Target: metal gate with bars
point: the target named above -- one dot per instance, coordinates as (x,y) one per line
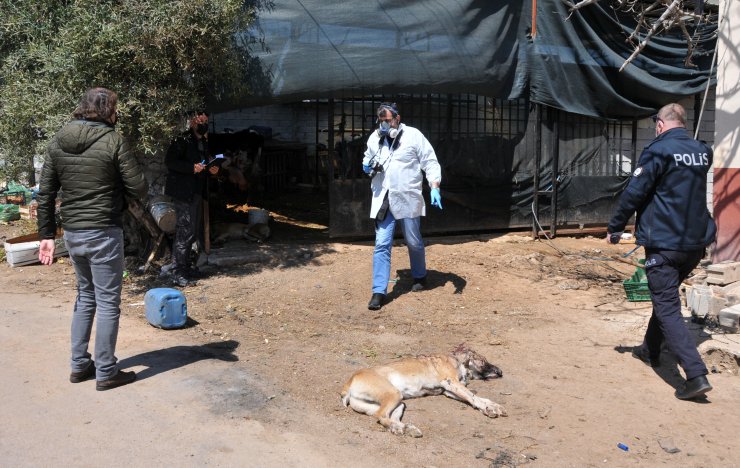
(503,161)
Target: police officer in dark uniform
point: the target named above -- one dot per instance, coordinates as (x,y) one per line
(668,190)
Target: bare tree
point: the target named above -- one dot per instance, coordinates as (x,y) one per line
(655,18)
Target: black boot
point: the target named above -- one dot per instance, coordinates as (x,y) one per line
(694,388)
(181,278)
(376,302)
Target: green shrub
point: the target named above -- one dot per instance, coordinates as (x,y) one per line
(162,58)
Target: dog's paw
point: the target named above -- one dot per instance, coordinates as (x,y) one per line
(412,431)
(493,410)
(397,428)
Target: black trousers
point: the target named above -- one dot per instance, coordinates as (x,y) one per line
(188,223)
(666,270)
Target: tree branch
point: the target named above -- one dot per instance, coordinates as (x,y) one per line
(675,14)
(656,26)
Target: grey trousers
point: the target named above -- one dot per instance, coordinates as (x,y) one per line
(97,256)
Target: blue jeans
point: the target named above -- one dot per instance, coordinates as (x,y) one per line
(383,244)
(97,256)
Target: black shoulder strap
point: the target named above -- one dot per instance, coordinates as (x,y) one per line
(397,140)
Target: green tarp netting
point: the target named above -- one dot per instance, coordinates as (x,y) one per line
(318,49)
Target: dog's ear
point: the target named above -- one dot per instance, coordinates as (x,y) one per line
(462,354)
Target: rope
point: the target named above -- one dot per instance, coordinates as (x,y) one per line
(584,256)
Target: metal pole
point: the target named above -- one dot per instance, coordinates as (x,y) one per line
(536,175)
(316,181)
(555,171)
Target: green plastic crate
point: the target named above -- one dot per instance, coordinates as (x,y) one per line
(636,287)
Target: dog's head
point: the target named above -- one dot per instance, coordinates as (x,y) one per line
(476,365)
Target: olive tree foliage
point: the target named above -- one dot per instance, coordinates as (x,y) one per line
(162,57)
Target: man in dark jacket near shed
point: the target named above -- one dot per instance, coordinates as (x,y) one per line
(91,163)
(668,190)
(186,162)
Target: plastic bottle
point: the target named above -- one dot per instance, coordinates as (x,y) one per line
(623,447)
(33,208)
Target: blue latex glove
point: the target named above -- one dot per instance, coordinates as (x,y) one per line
(366,168)
(436,198)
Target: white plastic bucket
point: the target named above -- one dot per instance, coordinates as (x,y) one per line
(258,216)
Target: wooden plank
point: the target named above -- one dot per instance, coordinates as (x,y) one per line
(143,216)
(152,254)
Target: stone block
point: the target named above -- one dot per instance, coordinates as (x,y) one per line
(731,292)
(715,305)
(704,300)
(699,278)
(693,292)
(729,318)
(723,273)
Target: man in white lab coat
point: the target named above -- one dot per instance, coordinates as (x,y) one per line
(397,158)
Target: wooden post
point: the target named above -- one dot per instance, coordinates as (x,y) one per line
(206,219)
(152,254)
(147,220)
(137,209)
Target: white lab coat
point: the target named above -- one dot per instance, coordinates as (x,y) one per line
(402,173)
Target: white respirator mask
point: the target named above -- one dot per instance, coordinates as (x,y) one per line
(385,129)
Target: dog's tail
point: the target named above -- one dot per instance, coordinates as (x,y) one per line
(345,393)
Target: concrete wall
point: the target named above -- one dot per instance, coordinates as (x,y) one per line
(727,134)
(646,127)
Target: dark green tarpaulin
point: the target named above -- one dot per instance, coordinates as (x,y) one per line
(319,49)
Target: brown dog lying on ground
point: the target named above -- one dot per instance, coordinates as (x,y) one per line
(379,391)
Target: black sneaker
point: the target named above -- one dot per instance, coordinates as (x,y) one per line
(81,376)
(419,284)
(694,388)
(121,378)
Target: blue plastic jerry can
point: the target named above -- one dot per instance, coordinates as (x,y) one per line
(166,308)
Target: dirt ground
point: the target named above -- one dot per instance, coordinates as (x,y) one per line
(552,315)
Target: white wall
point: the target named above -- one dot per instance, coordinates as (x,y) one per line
(727,136)
(728,86)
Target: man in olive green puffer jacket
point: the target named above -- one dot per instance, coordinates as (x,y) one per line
(92,165)
(97,170)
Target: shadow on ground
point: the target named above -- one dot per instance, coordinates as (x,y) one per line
(164,360)
(669,369)
(435,279)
